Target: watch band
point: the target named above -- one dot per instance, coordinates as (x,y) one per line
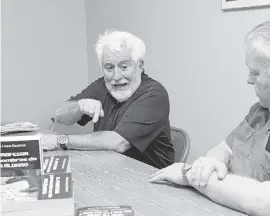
(185,169)
(63,146)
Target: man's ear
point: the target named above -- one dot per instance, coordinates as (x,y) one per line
(141,63)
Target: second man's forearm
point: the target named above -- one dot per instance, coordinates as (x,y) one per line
(68,113)
(237,192)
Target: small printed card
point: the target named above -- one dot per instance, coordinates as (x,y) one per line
(56,186)
(56,164)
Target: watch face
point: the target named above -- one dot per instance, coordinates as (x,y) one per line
(62,139)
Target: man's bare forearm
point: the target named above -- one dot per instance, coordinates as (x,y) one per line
(239,193)
(102,140)
(68,113)
(220,152)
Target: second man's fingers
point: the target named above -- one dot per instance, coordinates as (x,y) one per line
(156,173)
(159,177)
(206,173)
(222,171)
(160,171)
(198,174)
(195,165)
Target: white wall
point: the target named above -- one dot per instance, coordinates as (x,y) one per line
(195,50)
(44,57)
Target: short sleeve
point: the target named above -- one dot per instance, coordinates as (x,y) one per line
(245,129)
(145,119)
(91,92)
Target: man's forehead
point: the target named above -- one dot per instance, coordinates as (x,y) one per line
(116,55)
(259,48)
(257,58)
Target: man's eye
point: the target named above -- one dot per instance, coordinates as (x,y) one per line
(124,67)
(256,73)
(109,68)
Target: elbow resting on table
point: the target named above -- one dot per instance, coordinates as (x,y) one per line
(122,147)
(115,141)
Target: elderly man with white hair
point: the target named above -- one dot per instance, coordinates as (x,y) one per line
(130,110)
(245,153)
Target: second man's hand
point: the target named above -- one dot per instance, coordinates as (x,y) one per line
(202,169)
(172,173)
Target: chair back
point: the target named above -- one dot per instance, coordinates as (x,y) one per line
(181,144)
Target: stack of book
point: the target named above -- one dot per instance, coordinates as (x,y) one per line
(32,184)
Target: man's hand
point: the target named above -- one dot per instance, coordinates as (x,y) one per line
(172,173)
(49,142)
(91,107)
(203,168)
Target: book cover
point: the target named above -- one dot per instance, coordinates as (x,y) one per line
(19,154)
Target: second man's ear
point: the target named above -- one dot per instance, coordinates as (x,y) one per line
(141,64)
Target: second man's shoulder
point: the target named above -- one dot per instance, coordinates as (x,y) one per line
(255,109)
(257,116)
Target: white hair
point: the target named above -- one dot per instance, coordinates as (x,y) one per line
(261,31)
(259,36)
(116,40)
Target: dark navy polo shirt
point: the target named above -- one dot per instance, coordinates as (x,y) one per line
(143,120)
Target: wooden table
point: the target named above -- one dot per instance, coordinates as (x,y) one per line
(109,178)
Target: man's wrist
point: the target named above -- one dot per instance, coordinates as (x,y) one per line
(185,170)
(189,178)
(63,141)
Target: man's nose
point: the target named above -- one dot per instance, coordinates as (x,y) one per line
(117,74)
(250,79)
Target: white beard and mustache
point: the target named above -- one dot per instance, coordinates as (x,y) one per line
(123,94)
(120,95)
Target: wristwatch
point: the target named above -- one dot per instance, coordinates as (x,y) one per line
(62,141)
(184,170)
